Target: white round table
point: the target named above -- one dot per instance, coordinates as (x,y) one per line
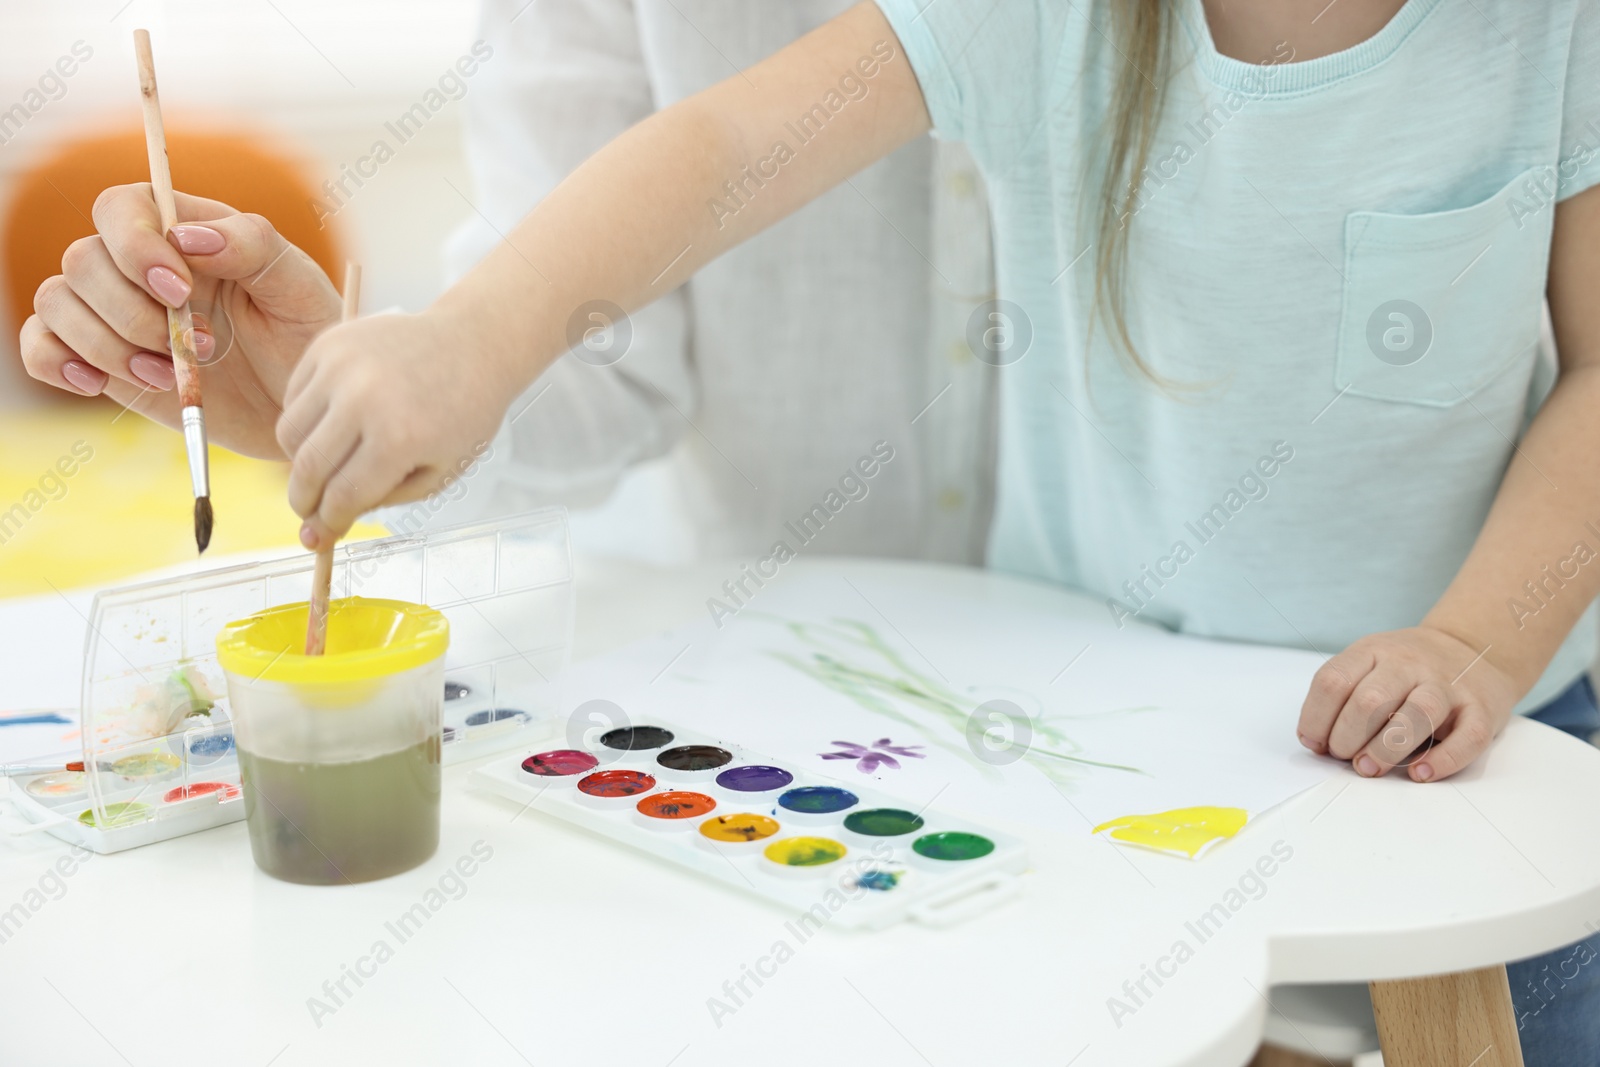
(547,947)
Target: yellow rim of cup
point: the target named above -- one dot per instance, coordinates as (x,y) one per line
(368,638)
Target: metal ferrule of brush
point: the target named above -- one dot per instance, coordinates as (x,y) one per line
(194,442)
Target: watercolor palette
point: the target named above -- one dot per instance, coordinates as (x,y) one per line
(841,854)
(157,730)
(178,784)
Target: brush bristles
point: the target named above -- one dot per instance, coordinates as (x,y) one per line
(202,521)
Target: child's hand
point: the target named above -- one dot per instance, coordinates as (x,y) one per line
(1382,698)
(101,325)
(381,411)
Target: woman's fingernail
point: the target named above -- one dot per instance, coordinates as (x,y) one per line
(1422,772)
(83,377)
(198,240)
(172,289)
(153,371)
(308,536)
(203,345)
(1366,767)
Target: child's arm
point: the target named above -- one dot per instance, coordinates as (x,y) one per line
(1462,671)
(383,409)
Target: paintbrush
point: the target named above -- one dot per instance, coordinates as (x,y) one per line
(180,321)
(322,573)
(25,770)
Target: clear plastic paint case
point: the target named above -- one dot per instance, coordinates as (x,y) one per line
(159,752)
(865,858)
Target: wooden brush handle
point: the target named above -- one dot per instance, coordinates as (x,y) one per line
(180,321)
(322,574)
(317,613)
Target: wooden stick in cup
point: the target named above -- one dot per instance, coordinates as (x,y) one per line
(322,575)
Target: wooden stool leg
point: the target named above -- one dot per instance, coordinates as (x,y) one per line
(1448,1020)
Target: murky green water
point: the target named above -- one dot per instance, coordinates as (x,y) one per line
(331,823)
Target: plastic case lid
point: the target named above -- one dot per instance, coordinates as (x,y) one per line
(152,683)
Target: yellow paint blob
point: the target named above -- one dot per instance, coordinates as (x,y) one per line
(1182,831)
(744,826)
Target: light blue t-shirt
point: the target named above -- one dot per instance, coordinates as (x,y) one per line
(1342,261)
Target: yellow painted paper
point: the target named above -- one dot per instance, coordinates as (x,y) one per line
(1182,831)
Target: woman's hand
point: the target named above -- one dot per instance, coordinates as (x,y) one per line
(383,410)
(101,325)
(1380,701)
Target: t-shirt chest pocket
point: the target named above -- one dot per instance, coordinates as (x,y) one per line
(1437,305)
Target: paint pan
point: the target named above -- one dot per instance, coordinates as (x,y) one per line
(611,789)
(58,785)
(951,846)
(124,813)
(816,805)
(692,763)
(636,738)
(559,764)
(147,766)
(196,790)
(754,782)
(865,827)
(741,832)
(673,810)
(211,746)
(879,880)
(802,857)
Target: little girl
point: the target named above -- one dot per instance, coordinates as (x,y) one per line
(1271,278)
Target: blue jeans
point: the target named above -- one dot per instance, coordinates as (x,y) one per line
(1557,995)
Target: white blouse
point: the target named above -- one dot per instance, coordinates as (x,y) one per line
(766,379)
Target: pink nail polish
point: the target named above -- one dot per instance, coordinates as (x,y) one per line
(153,371)
(83,377)
(308,536)
(172,289)
(198,240)
(204,343)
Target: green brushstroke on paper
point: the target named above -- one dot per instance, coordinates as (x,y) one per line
(883,682)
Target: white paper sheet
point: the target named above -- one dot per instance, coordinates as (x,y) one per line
(887,663)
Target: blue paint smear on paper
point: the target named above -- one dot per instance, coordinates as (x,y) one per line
(43,719)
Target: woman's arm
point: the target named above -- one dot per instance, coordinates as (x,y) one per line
(381,410)
(1460,673)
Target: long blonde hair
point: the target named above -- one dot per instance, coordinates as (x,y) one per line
(1140,33)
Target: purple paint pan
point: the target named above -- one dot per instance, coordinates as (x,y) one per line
(754,778)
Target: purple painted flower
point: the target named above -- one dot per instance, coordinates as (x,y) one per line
(881,753)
